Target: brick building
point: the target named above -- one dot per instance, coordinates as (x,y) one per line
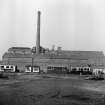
(50,60)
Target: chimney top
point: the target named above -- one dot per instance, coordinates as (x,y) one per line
(39,12)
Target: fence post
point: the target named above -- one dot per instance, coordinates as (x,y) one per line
(104,98)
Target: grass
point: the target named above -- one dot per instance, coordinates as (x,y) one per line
(39,90)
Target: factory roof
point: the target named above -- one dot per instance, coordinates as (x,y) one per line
(82,54)
(18,48)
(61,55)
(16,55)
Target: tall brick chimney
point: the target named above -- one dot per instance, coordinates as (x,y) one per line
(38,34)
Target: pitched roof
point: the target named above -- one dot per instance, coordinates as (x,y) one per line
(18,48)
(16,55)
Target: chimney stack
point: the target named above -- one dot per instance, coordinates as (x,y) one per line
(38,34)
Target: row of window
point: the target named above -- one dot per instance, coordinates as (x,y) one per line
(32,69)
(80,69)
(72,68)
(56,68)
(6,67)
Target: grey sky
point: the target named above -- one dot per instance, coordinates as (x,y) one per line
(71,24)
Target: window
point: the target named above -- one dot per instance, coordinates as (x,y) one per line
(73,69)
(2,67)
(85,69)
(11,67)
(7,66)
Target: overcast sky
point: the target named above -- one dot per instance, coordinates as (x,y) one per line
(71,24)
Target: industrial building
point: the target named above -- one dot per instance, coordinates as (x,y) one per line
(39,59)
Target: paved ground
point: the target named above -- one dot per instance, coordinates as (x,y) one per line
(51,90)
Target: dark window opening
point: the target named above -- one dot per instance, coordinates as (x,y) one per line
(7,66)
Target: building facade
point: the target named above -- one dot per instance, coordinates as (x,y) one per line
(47,62)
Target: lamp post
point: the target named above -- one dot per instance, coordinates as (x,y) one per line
(32,63)
(8,61)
